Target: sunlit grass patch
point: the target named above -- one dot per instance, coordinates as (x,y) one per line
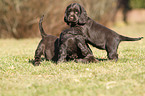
(18,76)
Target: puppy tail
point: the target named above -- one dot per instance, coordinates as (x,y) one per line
(124,38)
(43,34)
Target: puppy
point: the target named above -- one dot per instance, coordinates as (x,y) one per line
(97,35)
(73,46)
(48,46)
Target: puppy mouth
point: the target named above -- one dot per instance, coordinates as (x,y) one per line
(72,19)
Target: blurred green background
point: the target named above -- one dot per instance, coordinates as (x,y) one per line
(137,3)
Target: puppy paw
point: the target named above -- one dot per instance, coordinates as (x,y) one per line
(36,63)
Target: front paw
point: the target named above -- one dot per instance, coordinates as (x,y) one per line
(36,63)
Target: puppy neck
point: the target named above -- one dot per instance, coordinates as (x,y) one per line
(75,24)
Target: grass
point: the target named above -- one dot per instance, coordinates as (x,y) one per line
(18,77)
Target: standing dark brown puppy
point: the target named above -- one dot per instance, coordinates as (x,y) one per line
(48,46)
(98,35)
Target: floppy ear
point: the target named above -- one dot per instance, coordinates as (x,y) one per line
(83,16)
(65,17)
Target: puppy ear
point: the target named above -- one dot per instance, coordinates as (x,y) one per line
(83,16)
(65,17)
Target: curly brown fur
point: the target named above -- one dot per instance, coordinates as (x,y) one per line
(73,46)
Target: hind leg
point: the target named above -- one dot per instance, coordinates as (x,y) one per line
(112,51)
(49,54)
(38,53)
(62,53)
(112,55)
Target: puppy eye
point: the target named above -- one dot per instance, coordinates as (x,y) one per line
(69,10)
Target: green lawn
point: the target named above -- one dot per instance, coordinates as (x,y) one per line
(18,77)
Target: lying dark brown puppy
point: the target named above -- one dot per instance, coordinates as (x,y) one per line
(73,46)
(48,46)
(98,35)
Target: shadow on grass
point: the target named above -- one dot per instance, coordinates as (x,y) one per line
(101,59)
(32,61)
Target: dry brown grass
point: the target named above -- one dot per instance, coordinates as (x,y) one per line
(19,18)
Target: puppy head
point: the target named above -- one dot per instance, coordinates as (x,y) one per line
(75,14)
